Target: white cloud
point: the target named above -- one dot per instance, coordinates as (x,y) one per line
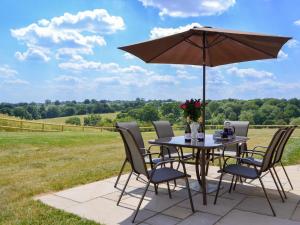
(182,74)
(292,43)
(117,75)
(297,22)
(189,8)
(7,72)
(250,73)
(81,32)
(34,53)
(128,56)
(9,76)
(158,32)
(282,55)
(16,81)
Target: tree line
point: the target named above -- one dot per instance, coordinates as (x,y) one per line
(266,111)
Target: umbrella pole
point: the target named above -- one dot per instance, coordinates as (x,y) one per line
(204,78)
(203,95)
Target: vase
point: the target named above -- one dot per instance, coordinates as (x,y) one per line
(194,129)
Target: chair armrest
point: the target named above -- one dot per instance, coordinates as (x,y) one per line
(151,153)
(230,157)
(255,152)
(149,148)
(165,162)
(259,146)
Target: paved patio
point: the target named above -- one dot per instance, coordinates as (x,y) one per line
(246,205)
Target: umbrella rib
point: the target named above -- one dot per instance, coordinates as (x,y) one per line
(214,40)
(148,61)
(193,43)
(250,46)
(217,42)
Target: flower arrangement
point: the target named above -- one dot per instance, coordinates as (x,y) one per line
(192,109)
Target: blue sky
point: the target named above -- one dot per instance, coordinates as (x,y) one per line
(67,49)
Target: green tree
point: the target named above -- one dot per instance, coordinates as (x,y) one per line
(33,110)
(247,116)
(68,111)
(52,111)
(22,113)
(295,121)
(73,120)
(291,111)
(92,120)
(149,113)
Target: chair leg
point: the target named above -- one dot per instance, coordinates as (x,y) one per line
(230,188)
(120,173)
(141,200)
(189,192)
(169,191)
(220,162)
(219,186)
(267,197)
(236,179)
(207,166)
(280,184)
(276,185)
(288,178)
(124,187)
(155,188)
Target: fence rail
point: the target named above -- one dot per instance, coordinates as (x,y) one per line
(8,124)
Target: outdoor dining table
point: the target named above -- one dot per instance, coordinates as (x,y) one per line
(202,150)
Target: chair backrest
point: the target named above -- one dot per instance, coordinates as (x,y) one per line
(272,148)
(135,130)
(137,161)
(282,144)
(241,129)
(164,129)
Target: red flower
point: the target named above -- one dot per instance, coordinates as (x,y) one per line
(183,106)
(197,104)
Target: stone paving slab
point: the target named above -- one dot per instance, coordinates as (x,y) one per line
(246,205)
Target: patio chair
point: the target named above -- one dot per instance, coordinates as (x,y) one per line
(164,129)
(241,129)
(239,169)
(156,175)
(133,127)
(277,157)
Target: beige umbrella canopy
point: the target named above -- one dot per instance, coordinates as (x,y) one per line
(208,46)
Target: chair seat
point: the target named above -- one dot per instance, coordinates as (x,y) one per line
(165,174)
(254,161)
(154,160)
(239,170)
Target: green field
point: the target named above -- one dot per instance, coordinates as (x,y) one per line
(36,163)
(61,120)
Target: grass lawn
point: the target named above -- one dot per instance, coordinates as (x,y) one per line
(35,163)
(61,120)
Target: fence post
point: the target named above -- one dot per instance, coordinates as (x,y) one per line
(43,127)
(82,128)
(62,127)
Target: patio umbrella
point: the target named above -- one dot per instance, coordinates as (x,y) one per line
(208,46)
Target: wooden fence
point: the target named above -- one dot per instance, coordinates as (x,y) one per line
(8,124)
